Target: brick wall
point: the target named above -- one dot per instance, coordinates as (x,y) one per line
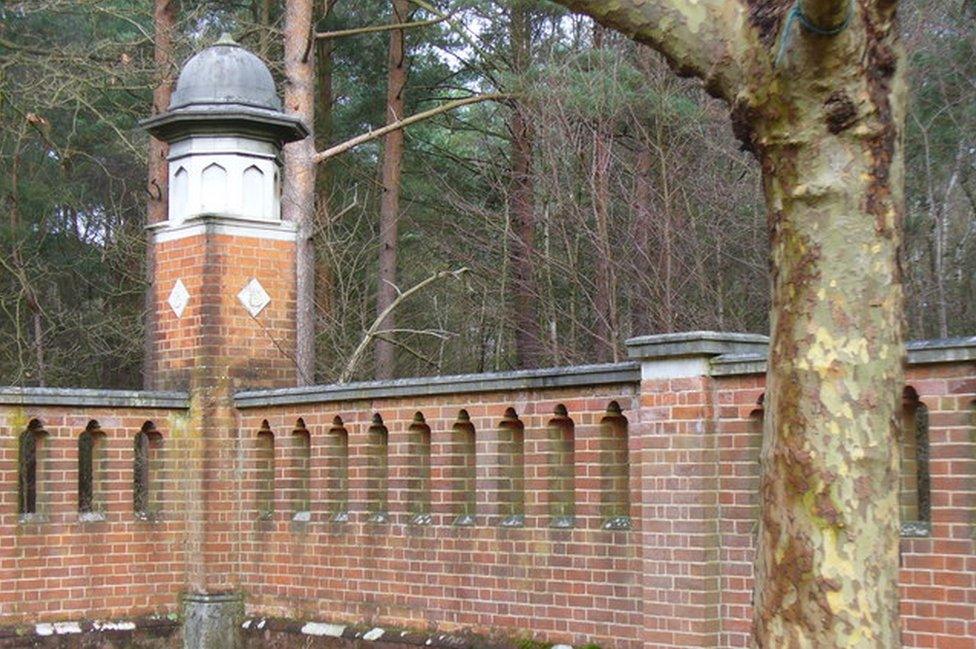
(58,564)
(938,575)
(524,576)
(215,330)
(620,512)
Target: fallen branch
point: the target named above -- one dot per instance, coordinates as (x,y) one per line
(374,330)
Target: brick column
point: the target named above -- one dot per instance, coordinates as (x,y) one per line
(679,484)
(224,295)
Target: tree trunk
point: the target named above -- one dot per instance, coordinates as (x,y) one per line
(827,568)
(666,252)
(298,195)
(384,356)
(323,179)
(825,120)
(640,302)
(157,209)
(263,18)
(604,302)
(606,330)
(529,345)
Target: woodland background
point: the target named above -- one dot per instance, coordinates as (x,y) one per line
(602,198)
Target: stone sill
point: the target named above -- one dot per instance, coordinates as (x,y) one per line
(33,518)
(46,634)
(916,530)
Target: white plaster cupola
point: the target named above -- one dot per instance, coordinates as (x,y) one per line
(225,128)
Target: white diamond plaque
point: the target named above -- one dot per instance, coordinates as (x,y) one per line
(179,297)
(254,297)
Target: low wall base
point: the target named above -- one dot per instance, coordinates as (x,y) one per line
(282,633)
(143,633)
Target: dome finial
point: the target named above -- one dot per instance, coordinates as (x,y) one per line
(226,39)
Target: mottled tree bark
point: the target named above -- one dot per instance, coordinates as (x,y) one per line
(157,209)
(298,196)
(384,359)
(825,122)
(832,172)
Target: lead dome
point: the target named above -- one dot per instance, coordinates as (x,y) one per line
(225,73)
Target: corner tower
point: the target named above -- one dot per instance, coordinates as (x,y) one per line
(223,289)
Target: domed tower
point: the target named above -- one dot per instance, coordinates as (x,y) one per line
(224,300)
(224,288)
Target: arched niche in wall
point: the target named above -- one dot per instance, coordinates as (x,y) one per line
(511,469)
(418,470)
(213,189)
(301,472)
(30,470)
(92,472)
(179,194)
(465,465)
(614,469)
(377,471)
(337,471)
(147,472)
(264,472)
(561,467)
(914,492)
(253,193)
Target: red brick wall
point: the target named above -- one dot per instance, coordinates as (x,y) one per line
(64,569)
(938,572)
(581,584)
(680,577)
(680,497)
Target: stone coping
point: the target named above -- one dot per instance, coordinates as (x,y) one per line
(918,352)
(695,343)
(14,396)
(732,354)
(546,378)
(942,350)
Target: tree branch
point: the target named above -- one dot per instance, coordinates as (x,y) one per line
(709,39)
(413,352)
(827,14)
(355,31)
(403,123)
(374,330)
